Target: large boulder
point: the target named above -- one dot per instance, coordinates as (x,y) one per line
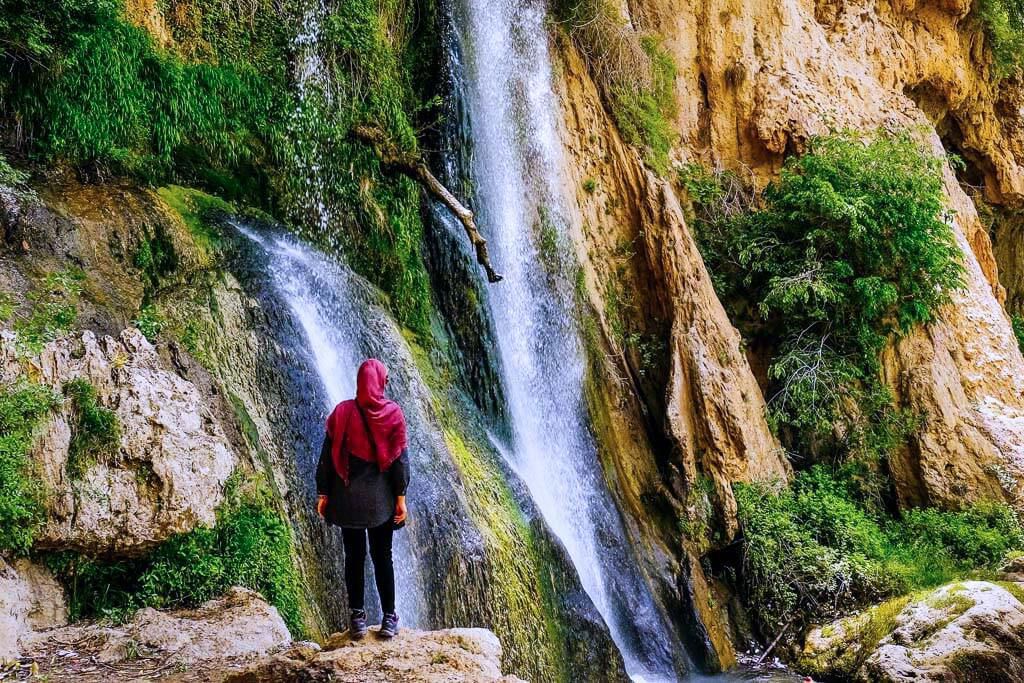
(168,473)
(961,631)
(239,626)
(458,654)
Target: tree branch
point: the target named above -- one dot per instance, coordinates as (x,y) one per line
(411,165)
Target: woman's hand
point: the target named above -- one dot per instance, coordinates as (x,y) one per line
(400,511)
(321,505)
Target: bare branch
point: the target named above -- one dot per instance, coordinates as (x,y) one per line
(411,165)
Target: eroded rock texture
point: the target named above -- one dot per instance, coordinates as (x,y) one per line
(169,469)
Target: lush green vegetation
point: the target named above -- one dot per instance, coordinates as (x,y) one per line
(1018,330)
(846,250)
(250,546)
(95,431)
(216,110)
(813,550)
(22,407)
(1003,21)
(636,73)
(54,309)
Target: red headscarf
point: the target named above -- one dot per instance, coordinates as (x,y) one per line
(384,418)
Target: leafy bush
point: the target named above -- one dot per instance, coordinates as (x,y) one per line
(250,546)
(848,249)
(813,550)
(149,322)
(1018,330)
(1003,21)
(22,407)
(95,430)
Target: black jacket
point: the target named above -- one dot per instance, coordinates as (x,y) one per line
(369,499)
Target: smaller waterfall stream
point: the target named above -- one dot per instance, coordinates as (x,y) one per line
(317,292)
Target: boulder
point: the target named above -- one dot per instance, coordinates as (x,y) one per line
(30,598)
(972,630)
(168,473)
(239,625)
(458,654)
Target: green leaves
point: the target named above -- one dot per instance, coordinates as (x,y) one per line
(846,250)
(1003,21)
(22,408)
(815,549)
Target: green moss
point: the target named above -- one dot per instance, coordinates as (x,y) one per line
(198,210)
(860,636)
(22,408)
(590,186)
(95,430)
(250,546)
(54,300)
(1014,588)
(645,114)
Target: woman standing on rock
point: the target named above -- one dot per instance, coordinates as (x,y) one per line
(361,482)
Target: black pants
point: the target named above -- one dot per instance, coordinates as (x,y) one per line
(355,563)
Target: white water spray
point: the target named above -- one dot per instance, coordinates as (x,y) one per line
(517,171)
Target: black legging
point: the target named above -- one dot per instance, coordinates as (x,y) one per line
(355,562)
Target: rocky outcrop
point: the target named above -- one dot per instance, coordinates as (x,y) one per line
(961,631)
(30,598)
(168,473)
(208,641)
(458,654)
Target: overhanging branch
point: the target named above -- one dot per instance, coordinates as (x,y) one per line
(411,165)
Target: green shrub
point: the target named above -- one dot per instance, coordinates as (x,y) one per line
(22,408)
(95,430)
(814,550)
(1018,330)
(1003,21)
(848,249)
(250,546)
(150,322)
(54,311)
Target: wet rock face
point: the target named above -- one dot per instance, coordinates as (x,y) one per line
(962,631)
(458,654)
(168,473)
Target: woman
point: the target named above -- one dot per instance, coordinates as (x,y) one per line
(361,482)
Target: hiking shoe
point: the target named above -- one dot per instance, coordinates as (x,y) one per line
(389,625)
(357,627)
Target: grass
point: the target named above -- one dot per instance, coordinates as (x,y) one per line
(250,546)
(95,430)
(22,409)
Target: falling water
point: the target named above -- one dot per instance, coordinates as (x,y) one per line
(517,172)
(318,293)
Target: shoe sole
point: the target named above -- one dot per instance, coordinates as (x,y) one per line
(387,634)
(358,635)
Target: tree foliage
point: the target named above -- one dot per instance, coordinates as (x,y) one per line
(847,249)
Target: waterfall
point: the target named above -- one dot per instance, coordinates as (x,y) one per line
(318,293)
(516,170)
